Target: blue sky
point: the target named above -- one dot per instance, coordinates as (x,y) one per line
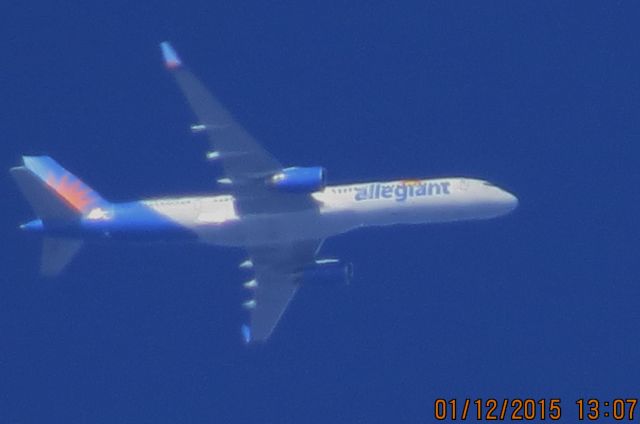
(538,97)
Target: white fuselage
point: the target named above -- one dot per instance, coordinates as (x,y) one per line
(341,208)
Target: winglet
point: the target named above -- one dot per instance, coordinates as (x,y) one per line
(171,59)
(246,333)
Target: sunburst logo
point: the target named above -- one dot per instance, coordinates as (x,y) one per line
(72,190)
(411,182)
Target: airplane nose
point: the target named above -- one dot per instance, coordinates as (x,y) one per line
(509,201)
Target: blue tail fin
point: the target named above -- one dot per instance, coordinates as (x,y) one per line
(57,197)
(51,189)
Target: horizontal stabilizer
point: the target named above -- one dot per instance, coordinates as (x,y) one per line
(56,254)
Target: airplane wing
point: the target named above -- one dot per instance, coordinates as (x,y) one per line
(246,165)
(243,159)
(275,269)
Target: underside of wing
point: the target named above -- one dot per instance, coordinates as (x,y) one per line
(276,270)
(273,293)
(246,164)
(241,156)
(258,184)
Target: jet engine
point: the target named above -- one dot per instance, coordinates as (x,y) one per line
(299,180)
(327,272)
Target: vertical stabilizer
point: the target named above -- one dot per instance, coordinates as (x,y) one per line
(56,254)
(60,199)
(67,186)
(46,203)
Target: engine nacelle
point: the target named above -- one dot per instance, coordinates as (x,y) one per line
(327,272)
(299,180)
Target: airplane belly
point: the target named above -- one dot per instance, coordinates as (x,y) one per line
(414,211)
(264,229)
(428,211)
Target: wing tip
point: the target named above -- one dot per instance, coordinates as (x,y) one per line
(171,59)
(246,333)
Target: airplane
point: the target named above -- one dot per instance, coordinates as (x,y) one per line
(279,215)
